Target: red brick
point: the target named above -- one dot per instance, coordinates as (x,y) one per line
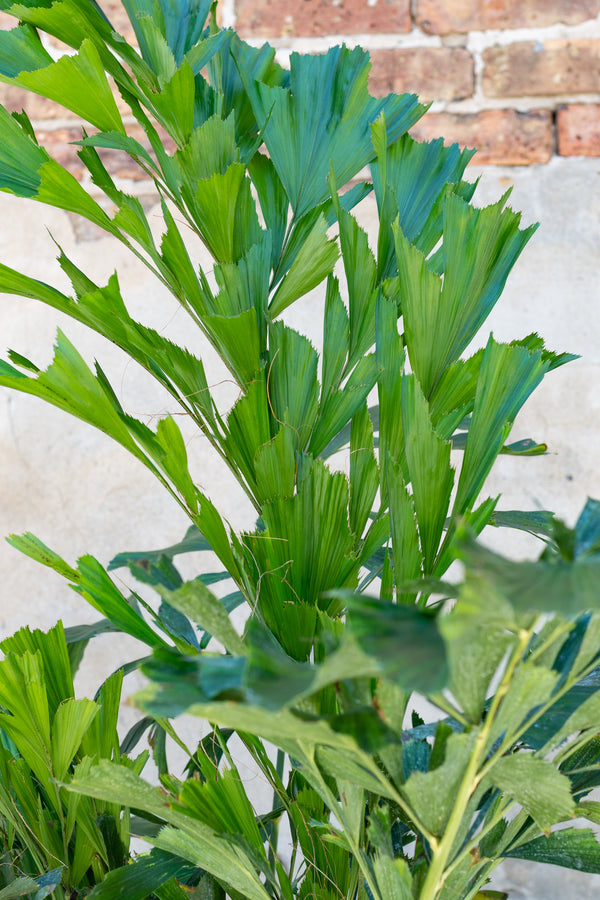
(311,18)
(578,129)
(530,68)
(434,73)
(448,16)
(15,99)
(58,144)
(502,136)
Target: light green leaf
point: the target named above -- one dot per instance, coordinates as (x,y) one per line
(237,340)
(96,586)
(364,471)
(314,262)
(393,878)
(249,425)
(175,102)
(507,377)
(52,647)
(115,140)
(480,246)
(292,383)
(408,559)
(361,277)
(554,585)
(431,474)
(225,213)
(335,338)
(432,794)
(154,46)
(72,719)
(276,464)
(530,686)
(390,362)
(189,838)
(79,83)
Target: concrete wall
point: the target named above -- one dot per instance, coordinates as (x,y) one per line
(80,493)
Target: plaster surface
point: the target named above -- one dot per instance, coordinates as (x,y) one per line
(80,493)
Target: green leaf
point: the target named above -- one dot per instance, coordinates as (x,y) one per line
(20,159)
(52,647)
(175,103)
(237,339)
(531,686)
(587,528)
(335,338)
(194,600)
(431,475)
(141,877)
(273,200)
(323,118)
(479,248)
(341,405)
(35,549)
(411,181)
(364,471)
(79,83)
(553,585)
(293,389)
(314,262)
(537,786)
(361,276)
(432,794)
(573,848)
(538,522)
(180,21)
(193,542)
(72,720)
(154,47)
(476,642)
(96,586)
(225,214)
(507,377)
(408,559)
(393,878)
(276,464)
(188,838)
(404,641)
(115,140)
(249,427)
(390,361)
(21,50)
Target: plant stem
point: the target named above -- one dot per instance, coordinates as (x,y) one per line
(437,872)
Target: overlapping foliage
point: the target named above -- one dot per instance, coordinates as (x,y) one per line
(348,615)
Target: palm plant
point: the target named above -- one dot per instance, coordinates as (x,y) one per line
(342,579)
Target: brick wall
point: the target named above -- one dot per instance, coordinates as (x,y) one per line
(518,79)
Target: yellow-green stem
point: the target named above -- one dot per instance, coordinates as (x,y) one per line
(436,874)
